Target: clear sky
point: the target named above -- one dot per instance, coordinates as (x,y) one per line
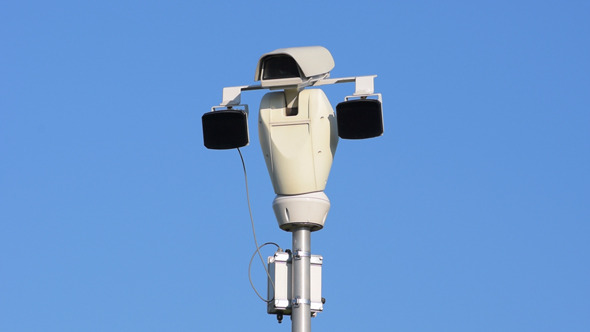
(471,213)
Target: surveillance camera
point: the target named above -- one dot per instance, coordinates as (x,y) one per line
(298,150)
(293,66)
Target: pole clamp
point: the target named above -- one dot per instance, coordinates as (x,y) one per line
(298,254)
(297,301)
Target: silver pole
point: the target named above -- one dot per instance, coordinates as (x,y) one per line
(301,306)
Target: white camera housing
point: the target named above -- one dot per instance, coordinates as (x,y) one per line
(298,148)
(293,66)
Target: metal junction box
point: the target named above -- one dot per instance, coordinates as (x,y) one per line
(279,268)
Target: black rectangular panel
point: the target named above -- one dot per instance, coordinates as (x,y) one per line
(359,119)
(225,129)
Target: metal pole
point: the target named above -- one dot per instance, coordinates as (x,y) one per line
(301,306)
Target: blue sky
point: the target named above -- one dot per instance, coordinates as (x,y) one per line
(471,213)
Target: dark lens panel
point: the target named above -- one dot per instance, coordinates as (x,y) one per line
(280,66)
(225,129)
(359,119)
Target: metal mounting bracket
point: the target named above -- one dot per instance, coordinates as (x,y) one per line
(364,96)
(297,301)
(298,254)
(245,106)
(364,86)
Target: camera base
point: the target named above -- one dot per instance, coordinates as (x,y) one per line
(305,210)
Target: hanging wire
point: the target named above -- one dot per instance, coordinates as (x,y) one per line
(255,240)
(250,268)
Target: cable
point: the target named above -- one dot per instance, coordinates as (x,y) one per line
(254,233)
(250,268)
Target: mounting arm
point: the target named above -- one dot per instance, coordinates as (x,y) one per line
(364,86)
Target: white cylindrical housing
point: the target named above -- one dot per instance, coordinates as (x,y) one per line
(307,210)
